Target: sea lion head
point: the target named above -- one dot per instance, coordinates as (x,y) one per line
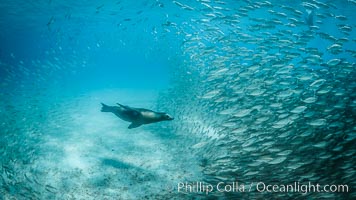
(165,116)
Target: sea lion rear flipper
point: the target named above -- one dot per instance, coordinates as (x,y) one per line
(120,104)
(133,125)
(126,107)
(105,108)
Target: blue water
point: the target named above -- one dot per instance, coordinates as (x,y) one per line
(60,59)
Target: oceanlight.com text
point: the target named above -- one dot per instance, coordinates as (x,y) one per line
(302,188)
(236,187)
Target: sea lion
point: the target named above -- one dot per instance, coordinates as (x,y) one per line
(137,116)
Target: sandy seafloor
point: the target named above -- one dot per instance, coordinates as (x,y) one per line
(88,154)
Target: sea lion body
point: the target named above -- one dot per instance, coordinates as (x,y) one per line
(137,116)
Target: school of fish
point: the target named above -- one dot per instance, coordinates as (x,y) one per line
(255,98)
(269,104)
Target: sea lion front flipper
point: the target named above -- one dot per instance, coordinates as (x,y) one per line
(134,125)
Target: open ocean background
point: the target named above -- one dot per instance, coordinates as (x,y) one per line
(258,94)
